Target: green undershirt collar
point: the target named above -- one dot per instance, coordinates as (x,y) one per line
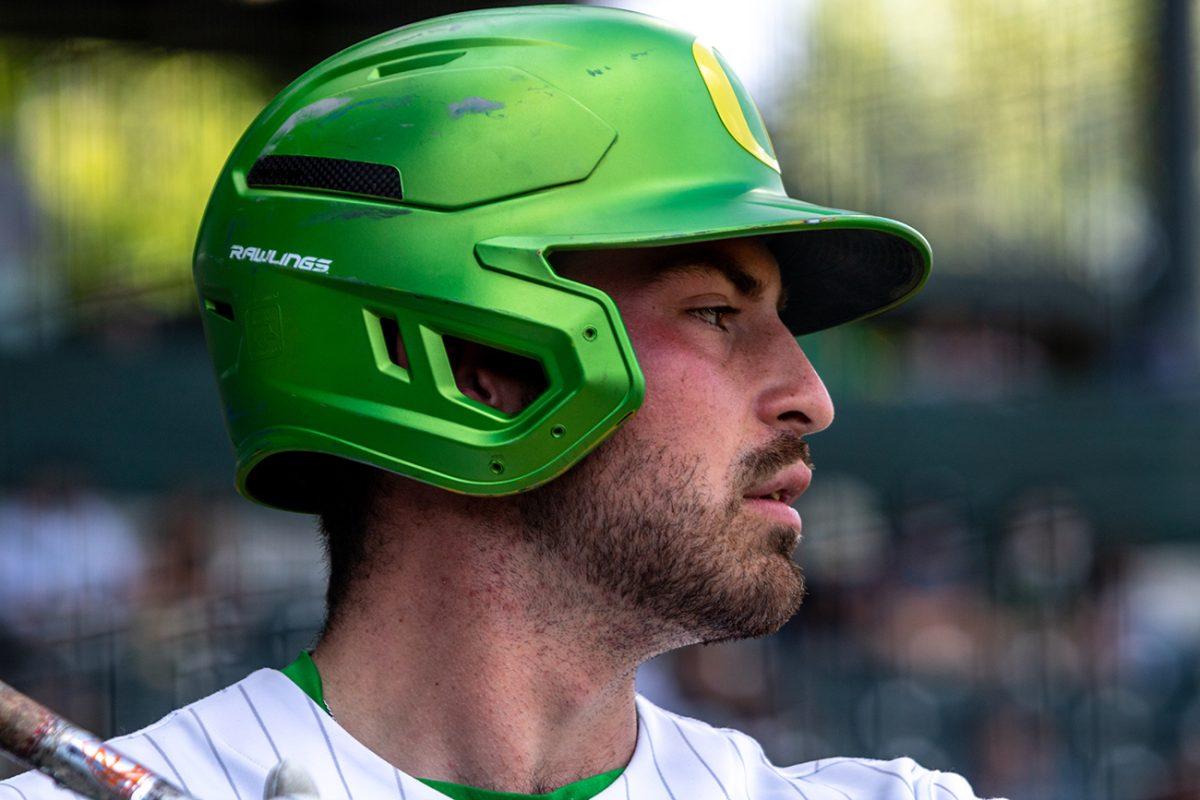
(303,672)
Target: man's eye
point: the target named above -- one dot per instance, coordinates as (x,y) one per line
(714,315)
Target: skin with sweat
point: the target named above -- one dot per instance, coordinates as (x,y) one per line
(493,641)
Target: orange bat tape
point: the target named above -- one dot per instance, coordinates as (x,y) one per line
(74,758)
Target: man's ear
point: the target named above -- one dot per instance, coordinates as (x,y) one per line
(505,381)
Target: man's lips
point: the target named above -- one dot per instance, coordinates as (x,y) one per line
(785,487)
(774,498)
(776,510)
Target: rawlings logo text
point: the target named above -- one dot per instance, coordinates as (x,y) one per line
(293,260)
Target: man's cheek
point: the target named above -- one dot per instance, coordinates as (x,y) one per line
(674,405)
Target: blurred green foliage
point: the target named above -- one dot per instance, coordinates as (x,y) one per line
(1011,134)
(119,147)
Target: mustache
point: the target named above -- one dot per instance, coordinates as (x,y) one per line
(785,450)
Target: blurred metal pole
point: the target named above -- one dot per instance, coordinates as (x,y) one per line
(1171,309)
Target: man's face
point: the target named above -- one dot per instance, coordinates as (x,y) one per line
(659,513)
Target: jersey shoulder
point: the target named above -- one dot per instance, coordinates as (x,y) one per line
(736,766)
(186,746)
(869,777)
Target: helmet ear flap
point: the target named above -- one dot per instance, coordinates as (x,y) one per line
(469,397)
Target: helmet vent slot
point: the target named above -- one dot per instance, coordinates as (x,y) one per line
(393,342)
(219,307)
(326,174)
(471,361)
(417,62)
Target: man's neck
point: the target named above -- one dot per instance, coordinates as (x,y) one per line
(467,661)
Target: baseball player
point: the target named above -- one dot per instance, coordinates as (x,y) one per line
(509,299)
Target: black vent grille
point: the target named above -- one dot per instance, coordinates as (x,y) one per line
(333,174)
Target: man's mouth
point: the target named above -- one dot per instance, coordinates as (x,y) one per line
(785,487)
(774,497)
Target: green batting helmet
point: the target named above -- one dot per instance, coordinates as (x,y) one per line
(409,189)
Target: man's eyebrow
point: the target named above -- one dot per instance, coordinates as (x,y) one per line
(746,284)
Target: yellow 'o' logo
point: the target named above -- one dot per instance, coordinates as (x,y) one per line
(729,108)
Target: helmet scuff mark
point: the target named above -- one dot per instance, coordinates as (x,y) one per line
(473,105)
(311,111)
(356,213)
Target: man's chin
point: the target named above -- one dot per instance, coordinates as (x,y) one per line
(766,599)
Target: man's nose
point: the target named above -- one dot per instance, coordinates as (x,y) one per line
(795,397)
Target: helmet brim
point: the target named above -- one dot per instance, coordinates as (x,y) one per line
(839,266)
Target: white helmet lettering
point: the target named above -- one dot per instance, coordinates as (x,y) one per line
(293,260)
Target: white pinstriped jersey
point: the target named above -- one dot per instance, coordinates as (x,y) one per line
(221,747)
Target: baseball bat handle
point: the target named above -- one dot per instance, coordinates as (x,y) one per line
(77,760)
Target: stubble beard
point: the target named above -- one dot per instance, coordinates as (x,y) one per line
(633,521)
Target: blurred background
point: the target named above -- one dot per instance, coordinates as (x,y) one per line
(1003,540)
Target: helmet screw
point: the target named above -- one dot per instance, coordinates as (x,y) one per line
(557,431)
(589,333)
(497,466)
